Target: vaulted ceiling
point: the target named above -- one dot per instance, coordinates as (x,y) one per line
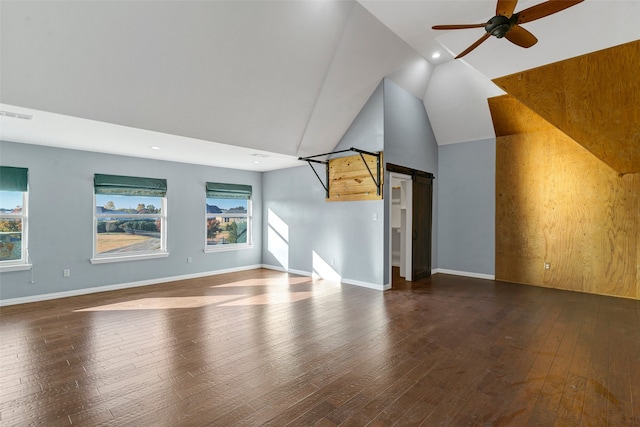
(232,83)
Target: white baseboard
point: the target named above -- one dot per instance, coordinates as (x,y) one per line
(364,284)
(342,280)
(464,273)
(284,270)
(118,286)
(276,268)
(85,291)
(386,286)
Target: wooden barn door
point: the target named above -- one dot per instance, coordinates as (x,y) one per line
(421,233)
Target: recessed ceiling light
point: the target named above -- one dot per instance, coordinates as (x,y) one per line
(154,147)
(256,162)
(436,55)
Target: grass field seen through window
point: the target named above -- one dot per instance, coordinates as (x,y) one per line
(119,241)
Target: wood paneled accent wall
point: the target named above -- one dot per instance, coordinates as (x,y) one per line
(557,203)
(593,98)
(349,179)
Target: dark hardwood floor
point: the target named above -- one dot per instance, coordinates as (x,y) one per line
(266,348)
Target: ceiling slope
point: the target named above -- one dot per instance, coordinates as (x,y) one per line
(456,102)
(461,115)
(367,52)
(586,27)
(593,98)
(240,73)
(282,77)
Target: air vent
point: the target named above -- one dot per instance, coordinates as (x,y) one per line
(16,115)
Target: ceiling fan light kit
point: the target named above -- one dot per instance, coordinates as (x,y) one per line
(506,23)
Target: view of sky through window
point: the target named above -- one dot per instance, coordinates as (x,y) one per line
(10,199)
(127,202)
(227,203)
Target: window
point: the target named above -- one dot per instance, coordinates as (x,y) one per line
(228,216)
(13,219)
(130,218)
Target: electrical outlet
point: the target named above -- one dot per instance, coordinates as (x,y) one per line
(189,260)
(333,261)
(547,266)
(66,273)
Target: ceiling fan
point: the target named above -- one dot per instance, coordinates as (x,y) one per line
(507,24)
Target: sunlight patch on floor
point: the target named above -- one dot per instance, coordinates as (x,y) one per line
(271,298)
(279,281)
(259,291)
(163,303)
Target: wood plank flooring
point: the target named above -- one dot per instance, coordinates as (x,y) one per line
(266,348)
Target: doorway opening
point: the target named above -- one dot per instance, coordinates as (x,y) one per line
(400,212)
(410,214)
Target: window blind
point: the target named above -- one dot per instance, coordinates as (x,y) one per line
(129,185)
(228,191)
(13,179)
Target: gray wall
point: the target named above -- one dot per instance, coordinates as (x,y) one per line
(466,207)
(393,121)
(409,141)
(343,231)
(61,215)
(298,222)
(352,234)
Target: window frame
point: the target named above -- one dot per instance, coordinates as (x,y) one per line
(130,256)
(24,262)
(248,216)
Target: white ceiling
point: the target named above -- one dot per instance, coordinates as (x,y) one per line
(231,83)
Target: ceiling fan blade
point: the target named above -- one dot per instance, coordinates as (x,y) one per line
(506,7)
(457,27)
(545,9)
(521,37)
(473,46)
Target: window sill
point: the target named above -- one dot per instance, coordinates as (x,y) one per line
(122,258)
(226,248)
(16,267)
